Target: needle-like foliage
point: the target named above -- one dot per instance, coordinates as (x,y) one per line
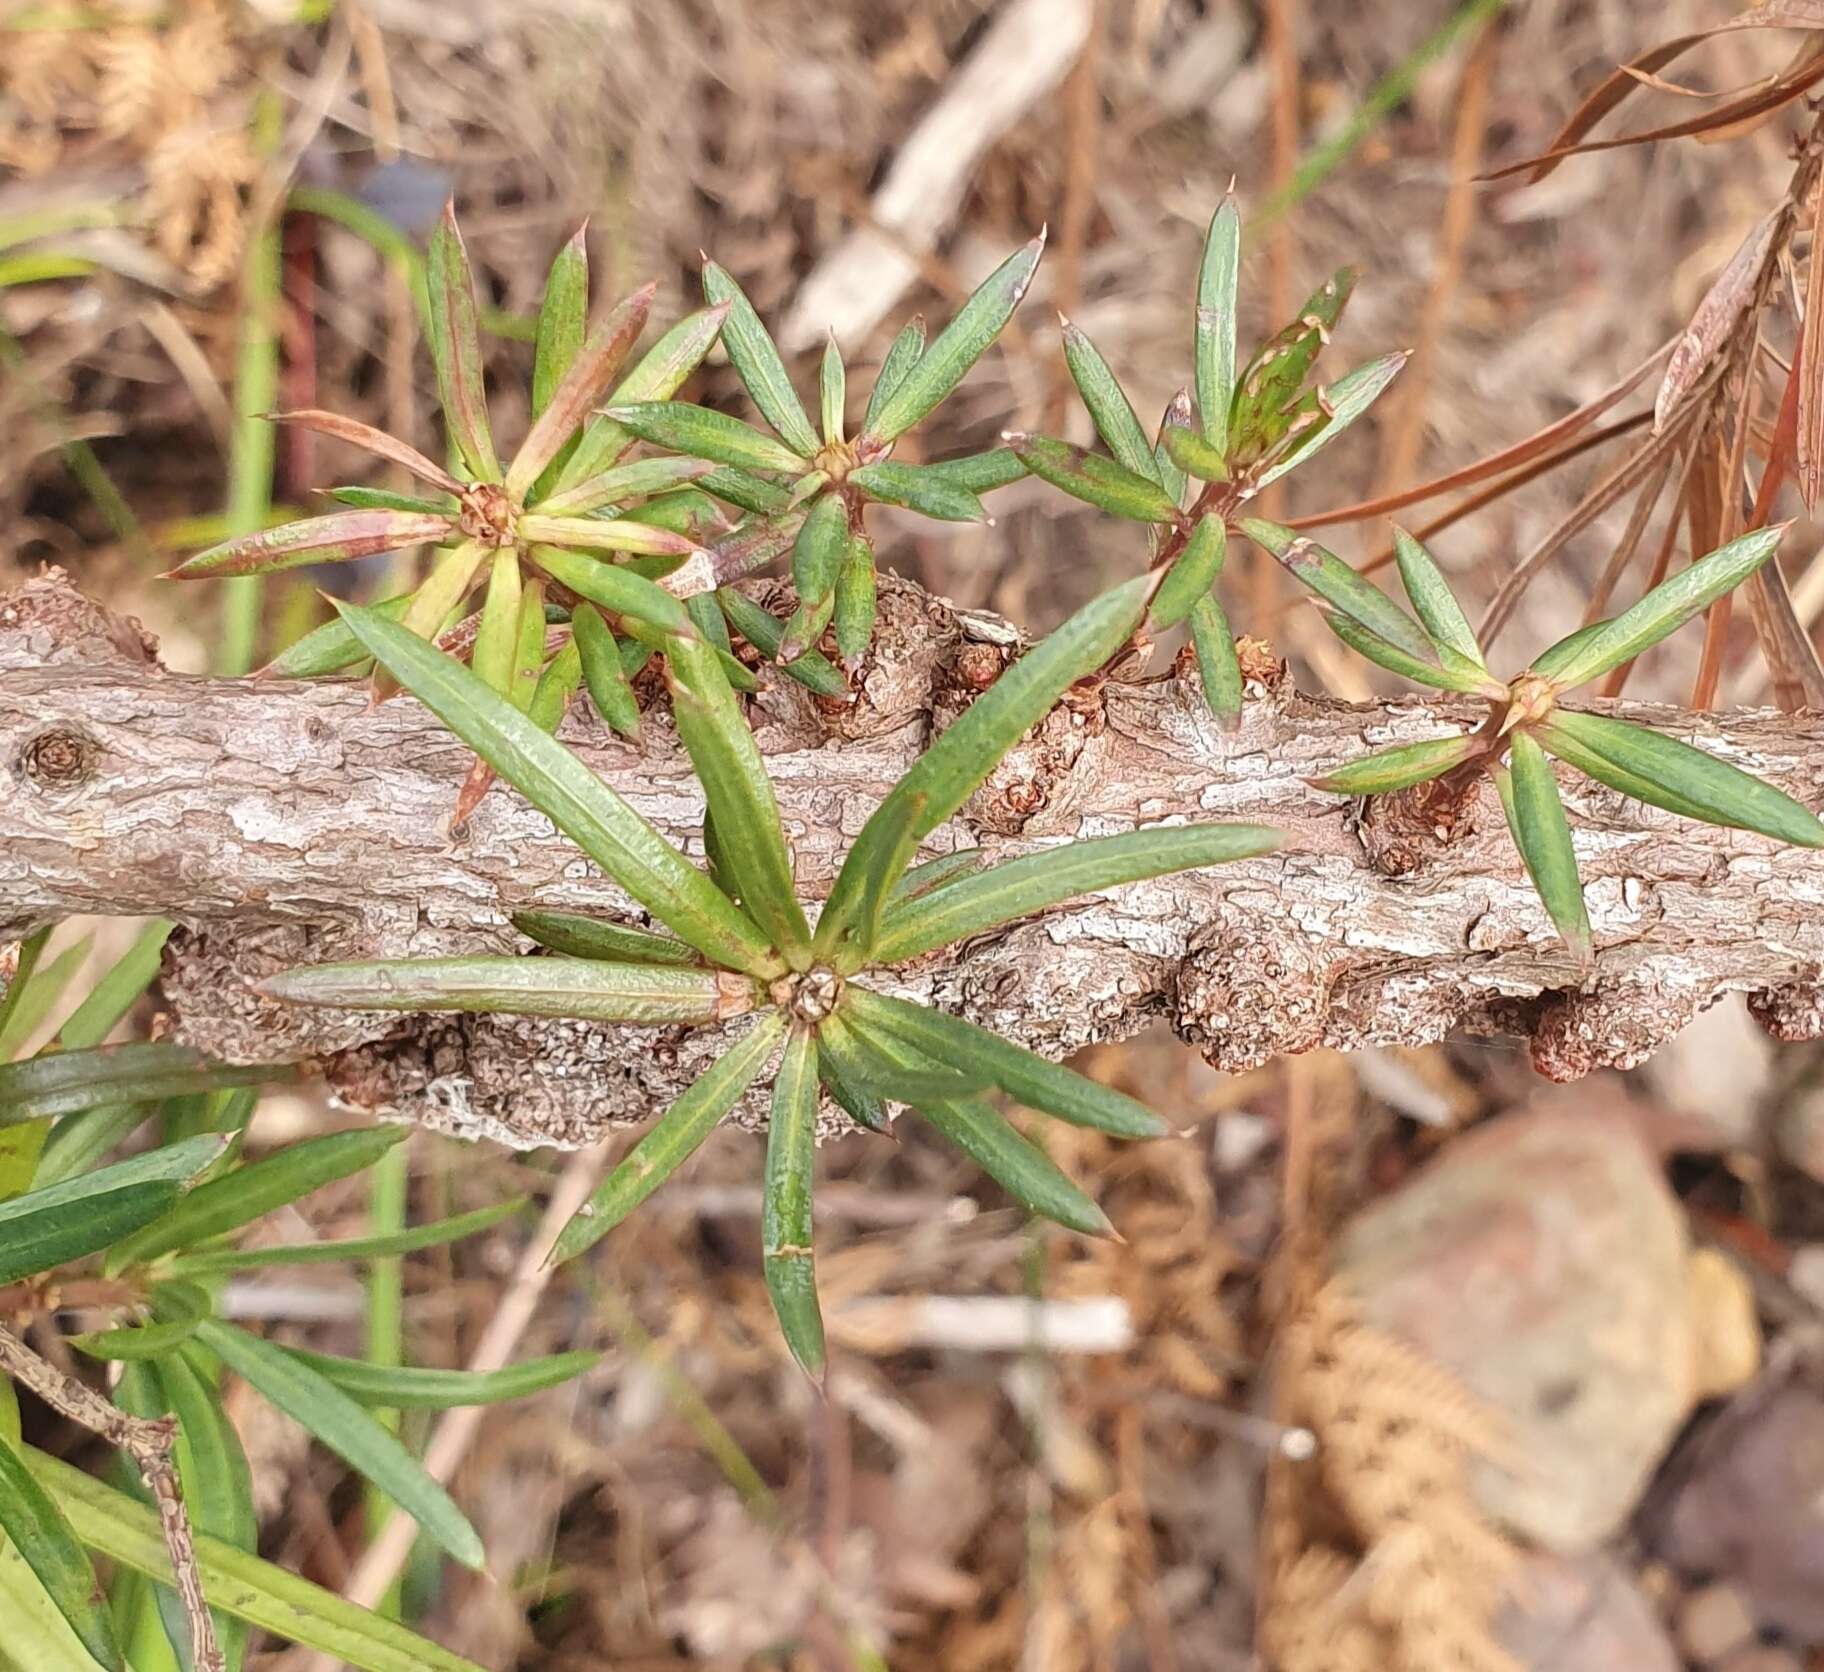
(816,1007)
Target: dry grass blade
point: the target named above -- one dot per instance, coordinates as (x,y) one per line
(1809,453)
(1494,464)
(1717,316)
(374,441)
(1729,522)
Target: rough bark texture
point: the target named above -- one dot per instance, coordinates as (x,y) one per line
(287,823)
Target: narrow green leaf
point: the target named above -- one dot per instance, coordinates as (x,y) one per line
(1193,455)
(673,1138)
(1674,775)
(738,791)
(604,349)
(818,551)
(919,488)
(235,1198)
(915,1087)
(573,798)
(109,1000)
(496,637)
(604,534)
(855,601)
(943,778)
(804,627)
(1432,598)
(127,1532)
(958,346)
(37,996)
(1107,403)
(1030,1079)
(1346,399)
(646,994)
(71,1210)
(439,593)
(757,361)
(658,376)
(455,333)
(411,1388)
(624,482)
(1093,479)
(848,930)
(528,647)
(134,1343)
(844,1077)
(64,1081)
(1387,770)
(38,1530)
(1449,672)
(45,1238)
(1017,1166)
(39,1638)
(556,685)
(563,317)
(832,389)
(338,537)
(1580,658)
(1337,584)
(384,499)
(311,1399)
(786,1255)
(1278,371)
(974,473)
(748,492)
(388,1245)
(705,434)
(957,906)
(580,936)
(766,633)
(25,966)
(603,673)
(1178,414)
(1192,574)
(1218,667)
(1535,814)
(1218,277)
(216,1482)
(937,873)
(901,357)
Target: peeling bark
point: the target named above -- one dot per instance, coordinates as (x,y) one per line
(285,823)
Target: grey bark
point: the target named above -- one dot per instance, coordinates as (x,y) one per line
(284,823)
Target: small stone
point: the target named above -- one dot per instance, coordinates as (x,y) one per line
(1713,1622)
(1542,1259)
(1581,1615)
(1726,1328)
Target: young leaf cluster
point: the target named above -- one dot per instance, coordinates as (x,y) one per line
(1219,443)
(155,1232)
(816,1000)
(1527,721)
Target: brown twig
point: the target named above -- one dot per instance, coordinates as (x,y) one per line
(149,1442)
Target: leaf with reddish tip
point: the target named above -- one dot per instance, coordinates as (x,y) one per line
(1177,415)
(455,332)
(371,440)
(958,346)
(621,483)
(601,356)
(336,538)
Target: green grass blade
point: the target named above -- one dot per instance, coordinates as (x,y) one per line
(1347,399)
(1192,574)
(39,1531)
(954,909)
(1434,602)
(958,346)
(235,1198)
(1103,483)
(328,1413)
(1396,769)
(673,1138)
(1030,1079)
(635,855)
(787,1258)
(65,1081)
(1674,775)
(1580,658)
(385,1246)
(738,791)
(455,333)
(1535,814)
(127,1532)
(944,777)
(410,1387)
(1218,278)
(901,357)
(757,361)
(929,490)
(646,994)
(1107,403)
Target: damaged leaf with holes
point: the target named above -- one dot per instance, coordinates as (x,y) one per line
(1236,430)
(1526,720)
(809,1009)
